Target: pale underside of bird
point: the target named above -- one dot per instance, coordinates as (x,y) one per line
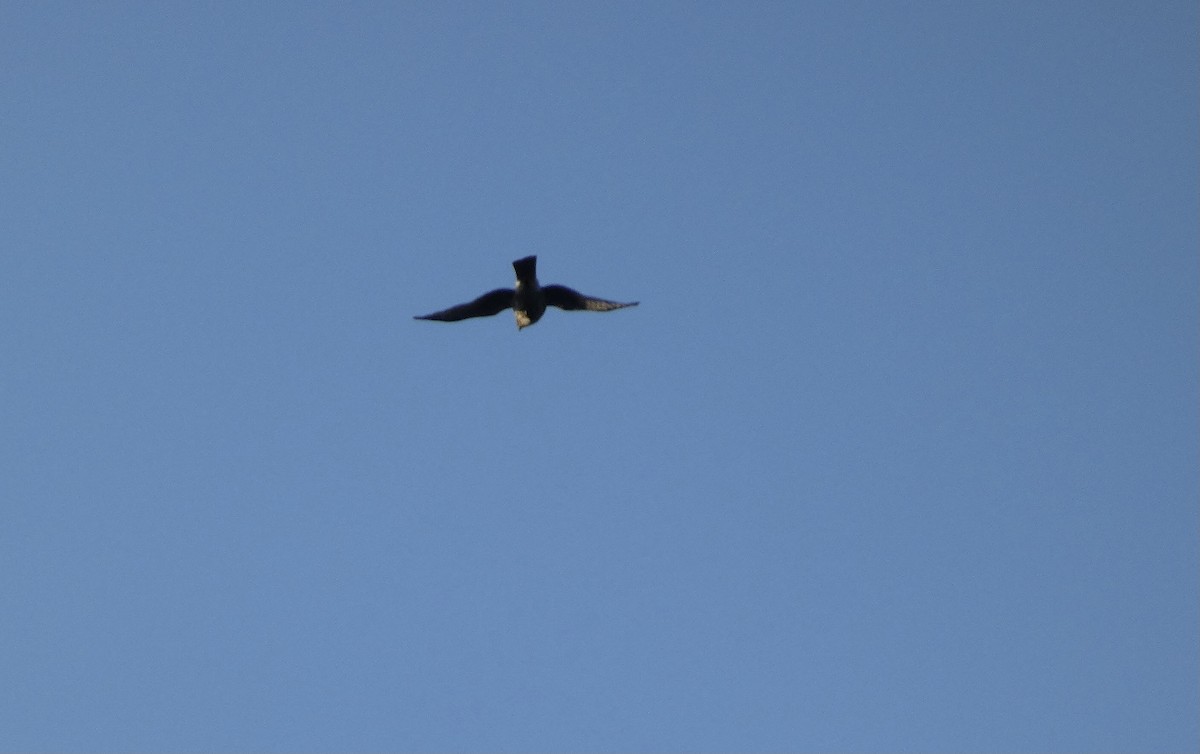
(528,300)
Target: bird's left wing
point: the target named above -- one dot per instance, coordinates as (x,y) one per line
(486,305)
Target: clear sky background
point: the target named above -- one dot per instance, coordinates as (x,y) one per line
(899,451)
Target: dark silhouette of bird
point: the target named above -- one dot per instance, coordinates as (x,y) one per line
(528,300)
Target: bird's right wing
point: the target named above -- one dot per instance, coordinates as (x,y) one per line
(486,305)
(572,300)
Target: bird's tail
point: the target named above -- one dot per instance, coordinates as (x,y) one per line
(526,269)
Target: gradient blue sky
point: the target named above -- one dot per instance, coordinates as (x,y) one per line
(898,453)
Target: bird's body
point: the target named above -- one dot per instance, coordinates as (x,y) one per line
(528,300)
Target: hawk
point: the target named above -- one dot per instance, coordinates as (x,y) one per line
(528,300)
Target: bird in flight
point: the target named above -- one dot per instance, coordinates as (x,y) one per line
(528,300)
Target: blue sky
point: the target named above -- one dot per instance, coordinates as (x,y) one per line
(898,453)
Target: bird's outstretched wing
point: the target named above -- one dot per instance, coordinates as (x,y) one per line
(486,305)
(565,298)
